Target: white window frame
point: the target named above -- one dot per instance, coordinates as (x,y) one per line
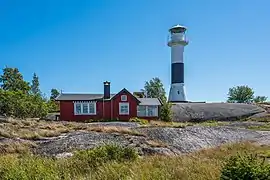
(88,108)
(123,97)
(123,104)
(146,109)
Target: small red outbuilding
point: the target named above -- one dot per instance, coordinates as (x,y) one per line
(120,106)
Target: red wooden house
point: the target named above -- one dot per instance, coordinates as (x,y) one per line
(120,106)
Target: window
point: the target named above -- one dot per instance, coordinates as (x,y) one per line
(78,109)
(124,108)
(152,110)
(92,108)
(85,108)
(124,98)
(141,111)
(147,111)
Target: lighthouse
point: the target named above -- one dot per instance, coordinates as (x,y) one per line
(177,41)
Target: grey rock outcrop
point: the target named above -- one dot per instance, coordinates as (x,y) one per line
(174,140)
(213,111)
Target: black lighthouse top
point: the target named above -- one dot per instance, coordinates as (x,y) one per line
(177,29)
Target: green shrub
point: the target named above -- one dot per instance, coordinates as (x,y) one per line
(247,166)
(84,162)
(27,167)
(138,120)
(166,112)
(102,154)
(22,105)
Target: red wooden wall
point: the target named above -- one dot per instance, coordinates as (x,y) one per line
(105,110)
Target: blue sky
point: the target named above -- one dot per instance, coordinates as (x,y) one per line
(76,45)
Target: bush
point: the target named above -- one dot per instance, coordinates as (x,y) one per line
(166,112)
(247,166)
(138,120)
(53,106)
(28,167)
(83,163)
(22,105)
(102,154)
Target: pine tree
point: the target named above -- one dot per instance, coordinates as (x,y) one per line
(35,85)
(54,94)
(12,80)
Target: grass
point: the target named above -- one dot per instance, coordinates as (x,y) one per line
(213,123)
(168,124)
(260,119)
(114,129)
(17,163)
(34,130)
(264,127)
(201,165)
(139,120)
(16,147)
(210,123)
(156,143)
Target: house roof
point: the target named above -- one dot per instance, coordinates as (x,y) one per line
(149,101)
(88,97)
(79,97)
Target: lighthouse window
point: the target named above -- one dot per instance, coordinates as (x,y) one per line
(178,92)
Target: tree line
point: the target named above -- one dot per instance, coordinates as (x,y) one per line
(20,98)
(23,99)
(244,94)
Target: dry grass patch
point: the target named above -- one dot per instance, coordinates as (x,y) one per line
(28,134)
(263,127)
(114,129)
(185,124)
(260,119)
(4,133)
(213,123)
(17,147)
(156,143)
(32,129)
(169,124)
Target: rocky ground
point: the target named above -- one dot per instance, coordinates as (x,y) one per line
(60,139)
(156,140)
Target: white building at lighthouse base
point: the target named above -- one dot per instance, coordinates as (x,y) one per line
(177,93)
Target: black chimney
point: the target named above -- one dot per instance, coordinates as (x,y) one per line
(107,91)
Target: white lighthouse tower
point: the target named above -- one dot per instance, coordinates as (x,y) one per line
(177,41)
